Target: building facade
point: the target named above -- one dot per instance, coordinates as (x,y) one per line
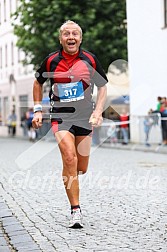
(147,54)
(15,79)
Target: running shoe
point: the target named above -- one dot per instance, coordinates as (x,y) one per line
(76,219)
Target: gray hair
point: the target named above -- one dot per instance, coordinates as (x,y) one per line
(66,23)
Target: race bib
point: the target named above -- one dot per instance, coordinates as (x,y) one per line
(69,92)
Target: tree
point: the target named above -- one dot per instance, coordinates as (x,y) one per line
(36,24)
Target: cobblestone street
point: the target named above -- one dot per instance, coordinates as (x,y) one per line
(123,200)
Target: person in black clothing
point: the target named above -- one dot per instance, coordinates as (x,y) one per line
(31,131)
(12,123)
(164,124)
(72,72)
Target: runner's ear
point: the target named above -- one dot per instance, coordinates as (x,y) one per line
(60,39)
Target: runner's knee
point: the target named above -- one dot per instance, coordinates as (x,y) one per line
(70,162)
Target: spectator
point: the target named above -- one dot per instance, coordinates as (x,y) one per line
(148,122)
(159,98)
(0,119)
(124,125)
(163,112)
(164,124)
(31,130)
(112,134)
(23,124)
(12,124)
(163,104)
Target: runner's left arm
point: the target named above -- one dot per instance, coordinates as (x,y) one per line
(96,117)
(100,80)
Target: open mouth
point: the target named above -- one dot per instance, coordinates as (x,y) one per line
(71,43)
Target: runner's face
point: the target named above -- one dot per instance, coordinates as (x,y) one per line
(70,38)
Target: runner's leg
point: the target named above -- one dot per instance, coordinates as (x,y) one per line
(83,145)
(66,142)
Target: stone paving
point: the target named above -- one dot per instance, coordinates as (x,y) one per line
(123,200)
(13,236)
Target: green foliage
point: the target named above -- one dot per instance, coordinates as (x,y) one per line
(36,25)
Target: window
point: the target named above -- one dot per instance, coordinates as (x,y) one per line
(12,53)
(6,107)
(0,14)
(23,99)
(0,111)
(19,55)
(165,13)
(0,57)
(16,4)
(6,55)
(4,10)
(10,7)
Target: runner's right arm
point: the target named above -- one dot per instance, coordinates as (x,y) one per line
(37,96)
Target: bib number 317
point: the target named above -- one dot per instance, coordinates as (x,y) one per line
(71,91)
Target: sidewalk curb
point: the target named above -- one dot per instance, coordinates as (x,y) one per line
(160,149)
(154,148)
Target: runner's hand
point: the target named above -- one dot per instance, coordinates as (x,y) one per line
(37,120)
(96,119)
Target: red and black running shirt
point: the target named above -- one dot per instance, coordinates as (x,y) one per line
(61,68)
(56,69)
